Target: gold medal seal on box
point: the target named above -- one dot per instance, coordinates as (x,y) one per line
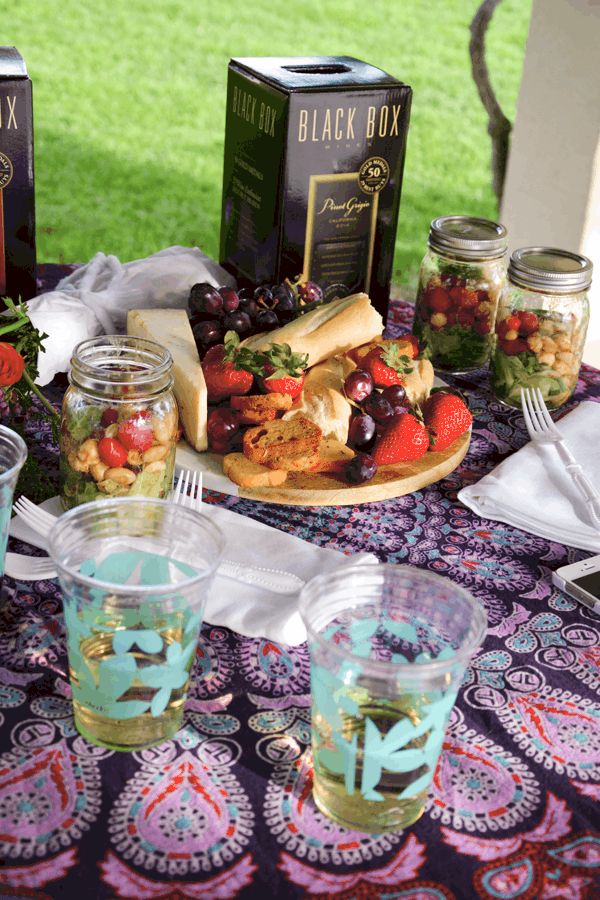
(373,175)
(6,170)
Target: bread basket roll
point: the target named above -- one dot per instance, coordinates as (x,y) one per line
(327,331)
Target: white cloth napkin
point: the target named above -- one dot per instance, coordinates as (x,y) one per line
(532,490)
(96,297)
(247,609)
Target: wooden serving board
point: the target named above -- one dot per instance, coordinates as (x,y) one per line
(328,488)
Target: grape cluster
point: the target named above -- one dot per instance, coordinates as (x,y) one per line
(215,310)
(373,408)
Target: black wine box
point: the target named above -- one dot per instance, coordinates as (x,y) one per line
(313,165)
(17,201)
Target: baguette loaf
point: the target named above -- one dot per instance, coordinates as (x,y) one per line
(333,457)
(327,331)
(322,400)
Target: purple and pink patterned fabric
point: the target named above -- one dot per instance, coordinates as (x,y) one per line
(224,809)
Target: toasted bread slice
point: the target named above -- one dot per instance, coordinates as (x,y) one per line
(248,474)
(274,442)
(254,409)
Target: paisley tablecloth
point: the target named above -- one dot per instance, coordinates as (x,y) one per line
(224,809)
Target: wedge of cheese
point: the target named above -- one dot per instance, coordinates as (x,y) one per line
(171,329)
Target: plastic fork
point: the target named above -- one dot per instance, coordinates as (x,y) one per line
(34,516)
(542,430)
(29,568)
(188,480)
(275,580)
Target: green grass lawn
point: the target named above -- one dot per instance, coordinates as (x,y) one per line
(129,109)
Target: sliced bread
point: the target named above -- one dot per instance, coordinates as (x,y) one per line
(274,442)
(248,474)
(255,409)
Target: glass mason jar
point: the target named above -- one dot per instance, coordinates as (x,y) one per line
(460,282)
(119,421)
(541,325)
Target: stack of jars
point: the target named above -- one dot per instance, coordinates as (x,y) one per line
(529,321)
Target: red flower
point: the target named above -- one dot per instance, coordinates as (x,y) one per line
(11,365)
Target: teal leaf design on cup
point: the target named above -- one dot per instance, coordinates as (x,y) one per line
(431,752)
(330,696)
(403,630)
(127,709)
(116,675)
(76,626)
(417,786)
(193,624)
(344,761)
(361,633)
(159,701)
(386,753)
(169,676)
(147,641)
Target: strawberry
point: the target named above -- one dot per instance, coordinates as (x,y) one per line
(403,440)
(282,371)
(228,368)
(388,364)
(446,417)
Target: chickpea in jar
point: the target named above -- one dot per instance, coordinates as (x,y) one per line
(121,452)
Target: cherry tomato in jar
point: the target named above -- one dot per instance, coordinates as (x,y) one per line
(512,323)
(136,434)
(112,453)
(438,299)
(528,322)
(518,345)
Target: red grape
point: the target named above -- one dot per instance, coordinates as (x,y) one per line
(222,425)
(231,300)
(394,393)
(358,385)
(310,292)
(362,433)
(377,406)
(205,299)
(238,321)
(360,469)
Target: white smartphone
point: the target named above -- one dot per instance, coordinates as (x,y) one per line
(581,580)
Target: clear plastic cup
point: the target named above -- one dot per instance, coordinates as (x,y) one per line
(13,453)
(389,646)
(135,576)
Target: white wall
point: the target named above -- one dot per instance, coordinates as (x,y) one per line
(552,188)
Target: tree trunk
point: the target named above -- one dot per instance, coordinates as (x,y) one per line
(499,127)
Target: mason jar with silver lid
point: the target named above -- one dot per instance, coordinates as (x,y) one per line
(460,282)
(119,421)
(541,325)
